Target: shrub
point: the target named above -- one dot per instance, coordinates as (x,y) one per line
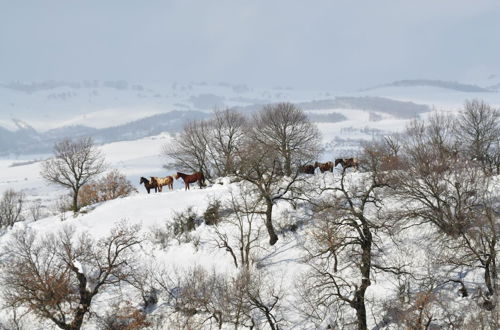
(124,317)
(182,224)
(212,214)
(112,186)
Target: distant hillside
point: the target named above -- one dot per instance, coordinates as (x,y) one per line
(453,85)
(26,140)
(396,108)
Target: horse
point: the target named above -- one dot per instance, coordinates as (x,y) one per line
(347,162)
(166,181)
(148,185)
(307,169)
(190,178)
(324,167)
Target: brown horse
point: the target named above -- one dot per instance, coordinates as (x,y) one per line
(190,178)
(307,169)
(347,162)
(166,181)
(324,167)
(148,185)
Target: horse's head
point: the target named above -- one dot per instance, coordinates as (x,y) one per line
(316,164)
(177,175)
(143,180)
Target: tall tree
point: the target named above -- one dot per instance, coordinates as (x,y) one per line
(287,131)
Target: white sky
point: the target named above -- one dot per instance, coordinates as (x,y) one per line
(306,44)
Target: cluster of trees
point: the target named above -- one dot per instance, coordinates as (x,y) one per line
(434,183)
(266,150)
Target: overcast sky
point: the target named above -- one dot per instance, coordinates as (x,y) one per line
(306,44)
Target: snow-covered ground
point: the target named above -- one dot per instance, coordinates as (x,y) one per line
(142,158)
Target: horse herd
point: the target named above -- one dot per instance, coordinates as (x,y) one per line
(157,183)
(328,166)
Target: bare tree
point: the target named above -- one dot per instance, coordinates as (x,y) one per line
(287,131)
(438,186)
(226,139)
(11,208)
(344,246)
(189,150)
(207,299)
(478,128)
(454,197)
(58,277)
(239,232)
(262,168)
(36,210)
(75,163)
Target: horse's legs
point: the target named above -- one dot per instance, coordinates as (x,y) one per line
(147,189)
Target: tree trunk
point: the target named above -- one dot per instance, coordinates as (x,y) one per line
(288,165)
(487,278)
(365,267)
(273,238)
(74,206)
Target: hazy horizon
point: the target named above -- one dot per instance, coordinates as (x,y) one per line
(331,45)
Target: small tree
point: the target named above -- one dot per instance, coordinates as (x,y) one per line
(58,277)
(11,208)
(239,232)
(74,164)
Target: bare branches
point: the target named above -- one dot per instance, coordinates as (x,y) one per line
(75,163)
(11,208)
(57,276)
(478,129)
(287,131)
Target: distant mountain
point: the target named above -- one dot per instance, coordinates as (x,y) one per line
(453,85)
(27,140)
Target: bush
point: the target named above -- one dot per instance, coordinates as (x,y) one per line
(184,222)
(112,186)
(124,317)
(212,214)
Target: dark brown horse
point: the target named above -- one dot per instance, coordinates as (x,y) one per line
(190,178)
(307,169)
(148,185)
(324,167)
(347,162)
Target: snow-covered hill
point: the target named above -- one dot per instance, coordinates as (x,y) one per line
(281,266)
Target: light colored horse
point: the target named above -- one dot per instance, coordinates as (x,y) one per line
(166,181)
